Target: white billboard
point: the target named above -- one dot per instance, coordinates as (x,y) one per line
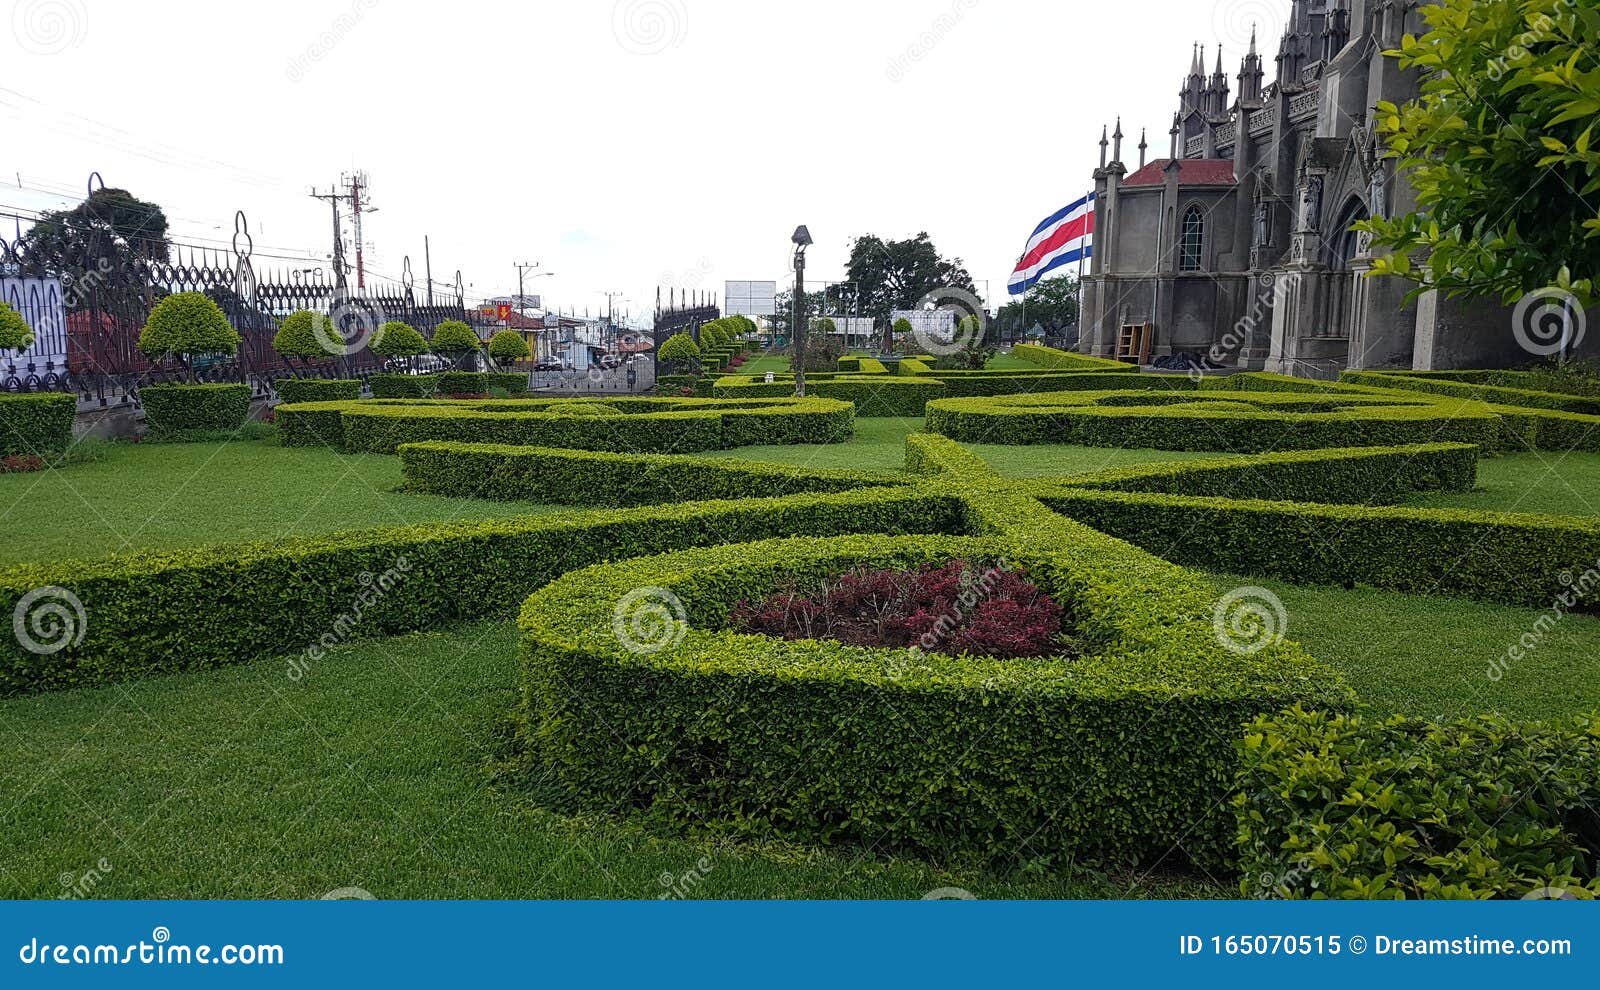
(750,298)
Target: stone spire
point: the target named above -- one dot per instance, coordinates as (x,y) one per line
(1143,147)
(1103,143)
(1116,142)
(1177,125)
(1251,75)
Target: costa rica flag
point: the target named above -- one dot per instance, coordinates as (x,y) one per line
(1064,237)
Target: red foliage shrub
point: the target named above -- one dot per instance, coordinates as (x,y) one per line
(21,463)
(952,608)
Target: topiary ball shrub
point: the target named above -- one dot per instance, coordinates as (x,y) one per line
(185,325)
(508,346)
(954,608)
(15,334)
(454,338)
(398,339)
(190,412)
(308,336)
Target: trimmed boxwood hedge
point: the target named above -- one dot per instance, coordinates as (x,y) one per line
(396,386)
(1338,806)
(1239,422)
(1050,357)
(178,412)
(907,396)
(159,613)
(37,424)
(659,425)
(901,750)
(316,389)
(1479,386)
(572,477)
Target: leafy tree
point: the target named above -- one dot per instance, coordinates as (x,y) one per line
(397,339)
(680,349)
(307,336)
(507,347)
(186,325)
(104,234)
(1051,304)
(713,335)
(1500,147)
(454,340)
(15,334)
(892,275)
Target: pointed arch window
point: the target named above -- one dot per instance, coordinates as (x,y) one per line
(1192,242)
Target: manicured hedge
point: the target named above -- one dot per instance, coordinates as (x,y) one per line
(660,425)
(900,750)
(1484,389)
(178,412)
(316,389)
(571,477)
(461,383)
(510,382)
(394,386)
(1506,558)
(1344,807)
(36,424)
(1243,422)
(159,613)
(907,396)
(1355,476)
(1050,357)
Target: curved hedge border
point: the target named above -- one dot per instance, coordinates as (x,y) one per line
(571,477)
(160,613)
(647,425)
(1240,422)
(949,756)
(907,396)
(38,424)
(1050,357)
(1478,386)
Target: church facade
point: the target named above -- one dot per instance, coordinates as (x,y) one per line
(1237,245)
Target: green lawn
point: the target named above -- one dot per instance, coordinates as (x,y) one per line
(775,363)
(375,771)
(158,496)
(1432,656)
(1560,484)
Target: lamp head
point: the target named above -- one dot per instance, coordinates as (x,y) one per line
(802,236)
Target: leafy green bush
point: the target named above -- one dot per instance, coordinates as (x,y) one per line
(36,424)
(15,334)
(508,346)
(182,412)
(398,339)
(588,409)
(187,325)
(316,389)
(158,613)
(454,338)
(307,336)
(571,477)
(679,349)
(1345,807)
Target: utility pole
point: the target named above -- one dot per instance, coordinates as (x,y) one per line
(353,186)
(427,266)
(523,268)
(333,197)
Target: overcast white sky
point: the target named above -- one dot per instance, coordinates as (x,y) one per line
(621,143)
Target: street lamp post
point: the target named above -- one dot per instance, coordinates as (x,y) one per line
(802,240)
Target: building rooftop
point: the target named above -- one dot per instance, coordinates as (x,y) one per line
(1193,172)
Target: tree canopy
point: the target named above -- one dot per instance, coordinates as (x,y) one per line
(454,337)
(307,335)
(15,334)
(1500,147)
(104,233)
(398,339)
(890,274)
(507,346)
(1051,304)
(679,348)
(186,324)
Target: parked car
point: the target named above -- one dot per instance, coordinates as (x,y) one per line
(551,364)
(610,362)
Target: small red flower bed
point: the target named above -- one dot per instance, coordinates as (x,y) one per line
(954,608)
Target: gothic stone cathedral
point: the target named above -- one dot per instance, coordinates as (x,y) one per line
(1238,244)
